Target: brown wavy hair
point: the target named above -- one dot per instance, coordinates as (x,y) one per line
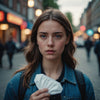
(32,52)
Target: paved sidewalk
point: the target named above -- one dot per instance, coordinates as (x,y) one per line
(6,74)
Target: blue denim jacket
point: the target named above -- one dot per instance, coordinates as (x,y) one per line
(69,83)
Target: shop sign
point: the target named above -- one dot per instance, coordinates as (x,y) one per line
(1,16)
(14,19)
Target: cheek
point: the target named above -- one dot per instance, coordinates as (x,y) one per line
(61,45)
(40,45)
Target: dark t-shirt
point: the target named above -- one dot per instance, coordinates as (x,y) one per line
(56,96)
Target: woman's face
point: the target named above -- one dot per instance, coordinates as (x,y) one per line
(51,39)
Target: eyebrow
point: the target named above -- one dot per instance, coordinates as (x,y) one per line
(53,33)
(57,32)
(43,32)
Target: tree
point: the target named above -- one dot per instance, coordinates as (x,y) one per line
(70,18)
(50,3)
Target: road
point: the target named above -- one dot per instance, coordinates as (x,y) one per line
(89,68)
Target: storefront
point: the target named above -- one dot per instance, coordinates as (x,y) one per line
(11,24)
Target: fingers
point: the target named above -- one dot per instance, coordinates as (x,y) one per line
(40,91)
(40,95)
(43,95)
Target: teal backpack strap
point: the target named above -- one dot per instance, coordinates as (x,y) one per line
(81,83)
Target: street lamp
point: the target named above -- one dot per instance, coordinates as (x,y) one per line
(38,12)
(30,3)
(99,29)
(96,36)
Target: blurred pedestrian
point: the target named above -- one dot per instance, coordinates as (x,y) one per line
(88,45)
(97,52)
(10,48)
(50,51)
(1,53)
(25,43)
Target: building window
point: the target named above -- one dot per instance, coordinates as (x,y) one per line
(24,10)
(36,3)
(18,7)
(10,3)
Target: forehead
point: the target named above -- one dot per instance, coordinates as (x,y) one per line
(50,25)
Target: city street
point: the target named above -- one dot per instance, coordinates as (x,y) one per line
(89,68)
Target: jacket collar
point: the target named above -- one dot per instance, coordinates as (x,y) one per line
(69,75)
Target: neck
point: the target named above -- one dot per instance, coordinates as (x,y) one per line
(52,68)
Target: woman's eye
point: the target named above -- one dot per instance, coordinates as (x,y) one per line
(43,36)
(58,36)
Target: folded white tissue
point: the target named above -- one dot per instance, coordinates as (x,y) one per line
(43,81)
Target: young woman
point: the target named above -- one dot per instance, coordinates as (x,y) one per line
(50,52)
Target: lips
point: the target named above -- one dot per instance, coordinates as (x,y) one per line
(50,51)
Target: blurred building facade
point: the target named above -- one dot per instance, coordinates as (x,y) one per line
(91,16)
(17,19)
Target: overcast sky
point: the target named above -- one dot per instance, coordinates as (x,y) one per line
(76,7)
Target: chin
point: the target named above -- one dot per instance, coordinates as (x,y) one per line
(51,57)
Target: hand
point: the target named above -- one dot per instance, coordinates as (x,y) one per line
(40,95)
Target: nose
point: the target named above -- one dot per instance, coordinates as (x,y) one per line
(50,42)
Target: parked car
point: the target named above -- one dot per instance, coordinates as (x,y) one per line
(79,42)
